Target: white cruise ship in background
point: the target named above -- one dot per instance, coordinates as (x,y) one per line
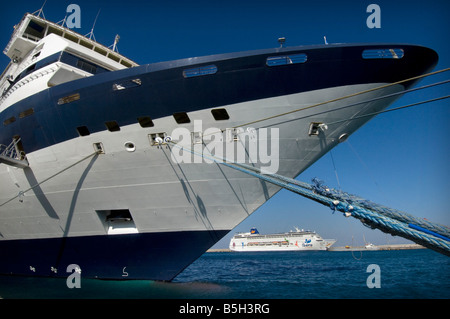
(87,175)
(292,241)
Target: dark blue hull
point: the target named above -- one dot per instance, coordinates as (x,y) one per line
(164,90)
(154,256)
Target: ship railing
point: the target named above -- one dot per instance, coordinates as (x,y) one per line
(11,150)
(12,155)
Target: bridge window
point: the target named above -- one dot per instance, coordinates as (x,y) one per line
(81,63)
(35,29)
(86,66)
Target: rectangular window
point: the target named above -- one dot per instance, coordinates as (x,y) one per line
(26,113)
(117,221)
(181,118)
(83,131)
(69,98)
(86,66)
(127,84)
(35,29)
(383,54)
(81,63)
(145,121)
(9,121)
(112,126)
(287,59)
(200,71)
(220,114)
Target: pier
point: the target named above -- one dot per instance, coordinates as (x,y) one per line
(347,248)
(377,247)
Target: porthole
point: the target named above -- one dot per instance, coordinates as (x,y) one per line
(130,146)
(343,137)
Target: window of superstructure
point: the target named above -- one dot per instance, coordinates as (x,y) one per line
(34,30)
(113,57)
(71,37)
(81,63)
(100,50)
(86,44)
(86,66)
(54,31)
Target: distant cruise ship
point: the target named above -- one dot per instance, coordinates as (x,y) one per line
(87,144)
(291,241)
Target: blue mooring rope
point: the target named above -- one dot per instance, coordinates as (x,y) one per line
(422,232)
(373,219)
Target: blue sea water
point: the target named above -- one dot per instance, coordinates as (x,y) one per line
(410,274)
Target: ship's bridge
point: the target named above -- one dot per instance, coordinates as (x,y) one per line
(32,29)
(45,54)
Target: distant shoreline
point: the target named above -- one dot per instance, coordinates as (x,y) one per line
(355,248)
(378,247)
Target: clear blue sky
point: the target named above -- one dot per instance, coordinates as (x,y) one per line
(399,159)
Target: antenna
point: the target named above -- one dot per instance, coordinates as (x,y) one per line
(114,45)
(325,39)
(63,21)
(91,34)
(281,41)
(41,10)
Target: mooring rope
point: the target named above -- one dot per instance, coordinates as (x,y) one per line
(391,95)
(351,95)
(21,193)
(393,222)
